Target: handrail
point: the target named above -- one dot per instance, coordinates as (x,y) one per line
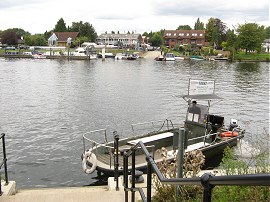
(167,121)
(207,180)
(94,142)
(4,162)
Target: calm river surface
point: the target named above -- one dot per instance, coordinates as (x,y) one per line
(46,106)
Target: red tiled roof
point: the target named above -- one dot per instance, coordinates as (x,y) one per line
(62,36)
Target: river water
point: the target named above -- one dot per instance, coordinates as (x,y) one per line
(46,106)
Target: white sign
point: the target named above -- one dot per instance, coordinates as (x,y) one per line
(201,87)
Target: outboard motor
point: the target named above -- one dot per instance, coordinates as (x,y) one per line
(233,124)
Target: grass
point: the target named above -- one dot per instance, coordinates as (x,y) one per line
(252,56)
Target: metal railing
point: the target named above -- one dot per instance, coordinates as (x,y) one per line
(153,125)
(4,162)
(207,180)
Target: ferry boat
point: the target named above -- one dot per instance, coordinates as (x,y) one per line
(203,131)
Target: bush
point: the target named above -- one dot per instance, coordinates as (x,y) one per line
(231,165)
(193,162)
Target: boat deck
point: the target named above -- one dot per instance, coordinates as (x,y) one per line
(108,159)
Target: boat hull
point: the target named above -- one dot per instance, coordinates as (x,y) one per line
(213,154)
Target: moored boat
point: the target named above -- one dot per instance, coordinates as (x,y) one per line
(121,56)
(132,57)
(106,55)
(220,57)
(39,56)
(203,131)
(160,58)
(177,57)
(169,57)
(196,57)
(84,52)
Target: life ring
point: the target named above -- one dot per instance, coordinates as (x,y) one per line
(89,157)
(229,134)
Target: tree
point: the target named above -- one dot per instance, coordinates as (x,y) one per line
(9,37)
(267,32)
(231,39)
(250,36)
(85,30)
(60,26)
(199,25)
(35,40)
(216,32)
(47,34)
(157,39)
(79,40)
(145,34)
(184,27)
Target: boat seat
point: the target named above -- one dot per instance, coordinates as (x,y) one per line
(189,148)
(196,146)
(151,138)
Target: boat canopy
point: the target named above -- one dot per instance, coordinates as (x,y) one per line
(207,97)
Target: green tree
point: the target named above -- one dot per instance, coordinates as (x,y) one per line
(35,40)
(267,32)
(48,34)
(85,30)
(145,34)
(9,37)
(251,36)
(157,39)
(79,40)
(216,32)
(231,39)
(60,26)
(183,27)
(199,25)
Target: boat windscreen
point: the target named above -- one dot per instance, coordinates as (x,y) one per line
(197,113)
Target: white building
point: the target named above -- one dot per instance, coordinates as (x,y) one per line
(120,40)
(266,45)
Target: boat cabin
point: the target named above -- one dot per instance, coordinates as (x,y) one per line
(198,120)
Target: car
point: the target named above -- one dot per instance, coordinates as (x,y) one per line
(10,48)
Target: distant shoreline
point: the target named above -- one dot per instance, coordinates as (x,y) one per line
(146,55)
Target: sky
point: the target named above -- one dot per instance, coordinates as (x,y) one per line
(38,16)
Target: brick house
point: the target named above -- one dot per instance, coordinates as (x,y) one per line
(195,38)
(60,38)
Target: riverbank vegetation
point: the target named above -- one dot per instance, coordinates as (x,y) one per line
(256,162)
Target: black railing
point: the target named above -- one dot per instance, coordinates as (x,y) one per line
(208,181)
(4,162)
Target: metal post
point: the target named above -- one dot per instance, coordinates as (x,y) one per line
(133,177)
(181,141)
(207,191)
(125,170)
(0,184)
(149,180)
(4,157)
(116,162)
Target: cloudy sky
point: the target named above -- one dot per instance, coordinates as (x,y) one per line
(38,16)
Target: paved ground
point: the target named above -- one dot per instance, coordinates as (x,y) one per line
(151,54)
(74,194)
(78,194)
